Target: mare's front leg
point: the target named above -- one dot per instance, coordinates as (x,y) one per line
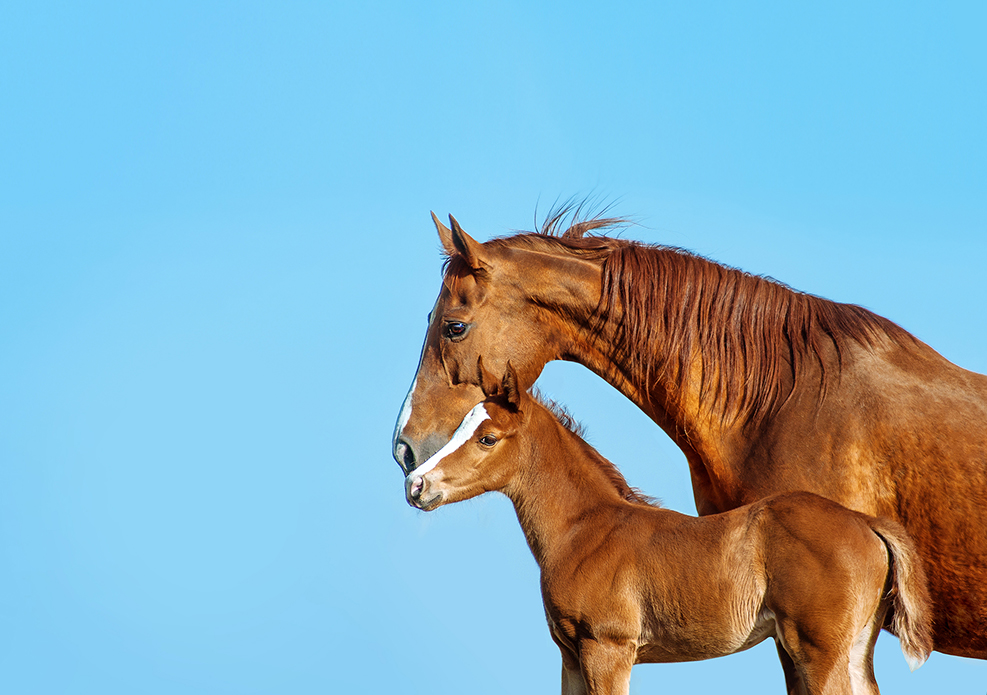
(606,666)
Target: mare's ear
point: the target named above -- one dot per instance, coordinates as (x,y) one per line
(470,248)
(445,236)
(488,382)
(457,242)
(511,390)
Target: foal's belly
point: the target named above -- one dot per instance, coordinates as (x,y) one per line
(699,642)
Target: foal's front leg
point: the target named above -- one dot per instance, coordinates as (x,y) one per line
(572,680)
(606,666)
(572,676)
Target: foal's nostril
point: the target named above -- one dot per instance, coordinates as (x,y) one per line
(416,488)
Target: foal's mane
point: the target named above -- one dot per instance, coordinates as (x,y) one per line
(756,336)
(560,412)
(609,470)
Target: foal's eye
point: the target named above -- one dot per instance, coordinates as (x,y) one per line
(456,329)
(488,440)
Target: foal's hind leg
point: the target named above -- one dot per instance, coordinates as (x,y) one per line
(793,681)
(840,665)
(862,655)
(822,676)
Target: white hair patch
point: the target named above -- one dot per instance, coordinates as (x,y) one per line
(462,435)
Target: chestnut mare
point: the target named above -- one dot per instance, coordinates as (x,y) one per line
(626,582)
(765,389)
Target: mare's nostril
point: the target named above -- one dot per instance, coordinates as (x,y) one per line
(407,457)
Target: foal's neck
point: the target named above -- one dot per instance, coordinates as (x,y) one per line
(561,480)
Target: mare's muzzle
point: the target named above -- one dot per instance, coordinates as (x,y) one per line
(410,453)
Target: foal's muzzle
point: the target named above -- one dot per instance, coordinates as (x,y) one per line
(416,491)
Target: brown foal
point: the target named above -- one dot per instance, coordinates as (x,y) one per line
(628,582)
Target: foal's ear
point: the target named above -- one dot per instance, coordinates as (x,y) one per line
(457,242)
(511,390)
(488,382)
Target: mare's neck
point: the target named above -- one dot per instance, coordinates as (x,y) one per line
(675,402)
(672,400)
(561,481)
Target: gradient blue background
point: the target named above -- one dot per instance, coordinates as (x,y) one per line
(216,260)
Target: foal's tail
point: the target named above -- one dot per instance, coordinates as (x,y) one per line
(911,607)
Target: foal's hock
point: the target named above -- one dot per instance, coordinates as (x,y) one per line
(627,582)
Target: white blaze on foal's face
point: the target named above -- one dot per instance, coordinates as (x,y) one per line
(424,491)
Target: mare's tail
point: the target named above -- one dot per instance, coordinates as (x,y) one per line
(910,603)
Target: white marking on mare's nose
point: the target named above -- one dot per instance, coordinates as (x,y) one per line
(403,416)
(462,435)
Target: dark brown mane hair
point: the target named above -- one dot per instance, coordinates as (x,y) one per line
(613,475)
(754,334)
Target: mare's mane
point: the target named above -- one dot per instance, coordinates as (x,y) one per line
(756,337)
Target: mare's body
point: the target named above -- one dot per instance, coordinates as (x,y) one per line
(626,582)
(766,390)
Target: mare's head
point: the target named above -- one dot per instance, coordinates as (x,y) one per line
(481,456)
(496,301)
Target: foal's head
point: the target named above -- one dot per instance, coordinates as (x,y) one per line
(482,454)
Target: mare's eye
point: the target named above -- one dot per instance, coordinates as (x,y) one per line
(456,329)
(488,440)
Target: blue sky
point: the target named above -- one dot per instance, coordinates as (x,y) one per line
(216,260)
